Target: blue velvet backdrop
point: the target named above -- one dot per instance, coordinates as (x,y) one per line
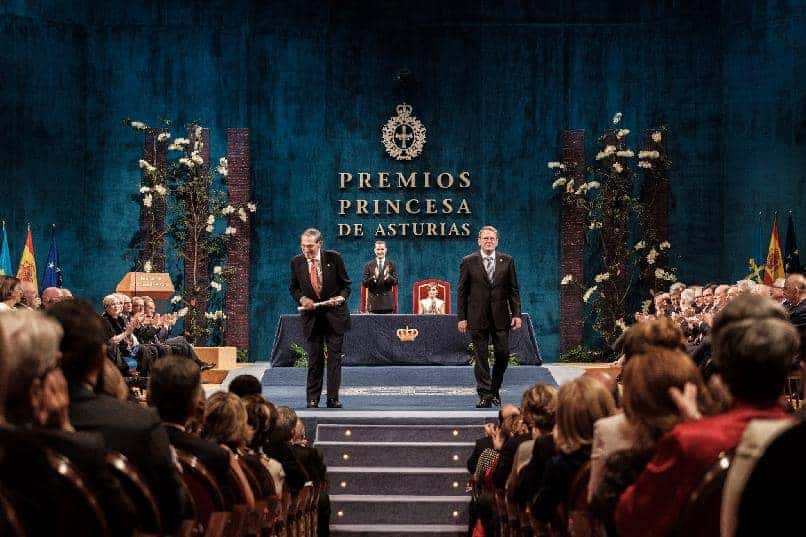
(314,81)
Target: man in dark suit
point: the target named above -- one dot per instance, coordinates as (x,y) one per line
(489,304)
(174,389)
(134,431)
(795,304)
(318,276)
(380,276)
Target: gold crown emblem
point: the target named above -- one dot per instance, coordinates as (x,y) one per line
(407,334)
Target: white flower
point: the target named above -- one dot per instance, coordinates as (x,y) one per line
(148,200)
(222,170)
(209,229)
(644,164)
(626,153)
(583,188)
(222,162)
(229,209)
(616,118)
(594,184)
(230,231)
(556,165)
(242,214)
(588,294)
(618,167)
(595,225)
(663,275)
(217,269)
(182,312)
(139,125)
(175,147)
(144,189)
(147,266)
(599,278)
(656,136)
(215,285)
(163,136)
(621,324)
(210,220)
(567,279)
(652,256)
(622,133)
(648,154)
(144,165)
(208,315)
(569,186)
(176,299)
(600,155)
(197,131)
(640,245)
(558,182)
(160,189)
(187,162)
(196,158)
(664,245)
(251,206)
(181,141)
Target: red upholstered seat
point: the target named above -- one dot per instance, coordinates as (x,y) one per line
(362,306)
(420,291)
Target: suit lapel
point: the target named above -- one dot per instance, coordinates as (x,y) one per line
(481,269)
(499,267)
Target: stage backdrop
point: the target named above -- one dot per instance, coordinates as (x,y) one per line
(314,81)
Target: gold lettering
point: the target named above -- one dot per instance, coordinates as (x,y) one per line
(409,204)
(364,180)
(383,180)
(464,180)
(344,178)
(404,182)
(392,206)
(463,207)
(343,206)
(447,205)
(432,229)
(427,180)
(361,207)
(454,231)
(380,231)
(430,206)
(448,180)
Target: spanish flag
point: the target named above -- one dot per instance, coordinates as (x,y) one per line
(775,259)
(27,269)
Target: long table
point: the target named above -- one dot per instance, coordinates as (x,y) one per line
(373,340)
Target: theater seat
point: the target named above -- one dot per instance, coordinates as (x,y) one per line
(700,516)
(148,515)
(9,521)
(208,502)
(77,508)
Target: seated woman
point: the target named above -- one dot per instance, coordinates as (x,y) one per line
(10,293)
(432,304)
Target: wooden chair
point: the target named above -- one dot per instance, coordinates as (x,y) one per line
(208,502)
(578,520)
(296,512)
(148,514)
(78,509)
(700,516)
(362,305)
(420,290)
(9,521)
(262,484)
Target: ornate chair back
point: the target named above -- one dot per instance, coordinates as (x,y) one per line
(700,516)
(148,514)
(207,497)
(362,306)
(78,509)
(420,291)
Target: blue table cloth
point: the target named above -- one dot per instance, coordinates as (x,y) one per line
(373,340)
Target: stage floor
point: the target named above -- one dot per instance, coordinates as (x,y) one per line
(400,388)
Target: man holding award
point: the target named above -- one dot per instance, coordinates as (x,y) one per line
(320,285)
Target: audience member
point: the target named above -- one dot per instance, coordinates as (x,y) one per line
(10,293)
(37,404)
(313,463)
(133,431)
(580,403)
(243,385)
(225,423)
(279,449)
(51,296)
(539,404)
(262,418)
(174,389)
(30,295)
(753,357)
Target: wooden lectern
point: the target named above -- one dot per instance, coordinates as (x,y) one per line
(157,285)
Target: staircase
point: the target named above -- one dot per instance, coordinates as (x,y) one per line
(398,476)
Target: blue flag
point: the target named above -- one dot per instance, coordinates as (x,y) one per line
(53,270)
(5,256)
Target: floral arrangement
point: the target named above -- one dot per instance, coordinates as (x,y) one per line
(198,226)
(615,218)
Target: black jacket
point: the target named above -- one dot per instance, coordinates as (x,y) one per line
(483,304)
(335,282)
(379,290)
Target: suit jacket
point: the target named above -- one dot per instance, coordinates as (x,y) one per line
(139,434)
(652,504)
(335,282)
(484,304)
(481,444)
(311,461)
(379,290)
(797,316)
(295,474)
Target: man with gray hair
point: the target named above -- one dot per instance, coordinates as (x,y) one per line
(489,305)
(320,285)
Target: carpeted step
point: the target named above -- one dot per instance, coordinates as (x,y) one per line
(398,530)
(394,509)
(432,454)
(397,480)
(398,433)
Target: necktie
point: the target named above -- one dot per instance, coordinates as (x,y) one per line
(433,305)
(315,278)
(488,266)
(380,267)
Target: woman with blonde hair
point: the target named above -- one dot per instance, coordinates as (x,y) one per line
(580,403)
(226,423)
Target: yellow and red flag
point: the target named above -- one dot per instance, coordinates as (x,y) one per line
(27,268)
(775,258)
